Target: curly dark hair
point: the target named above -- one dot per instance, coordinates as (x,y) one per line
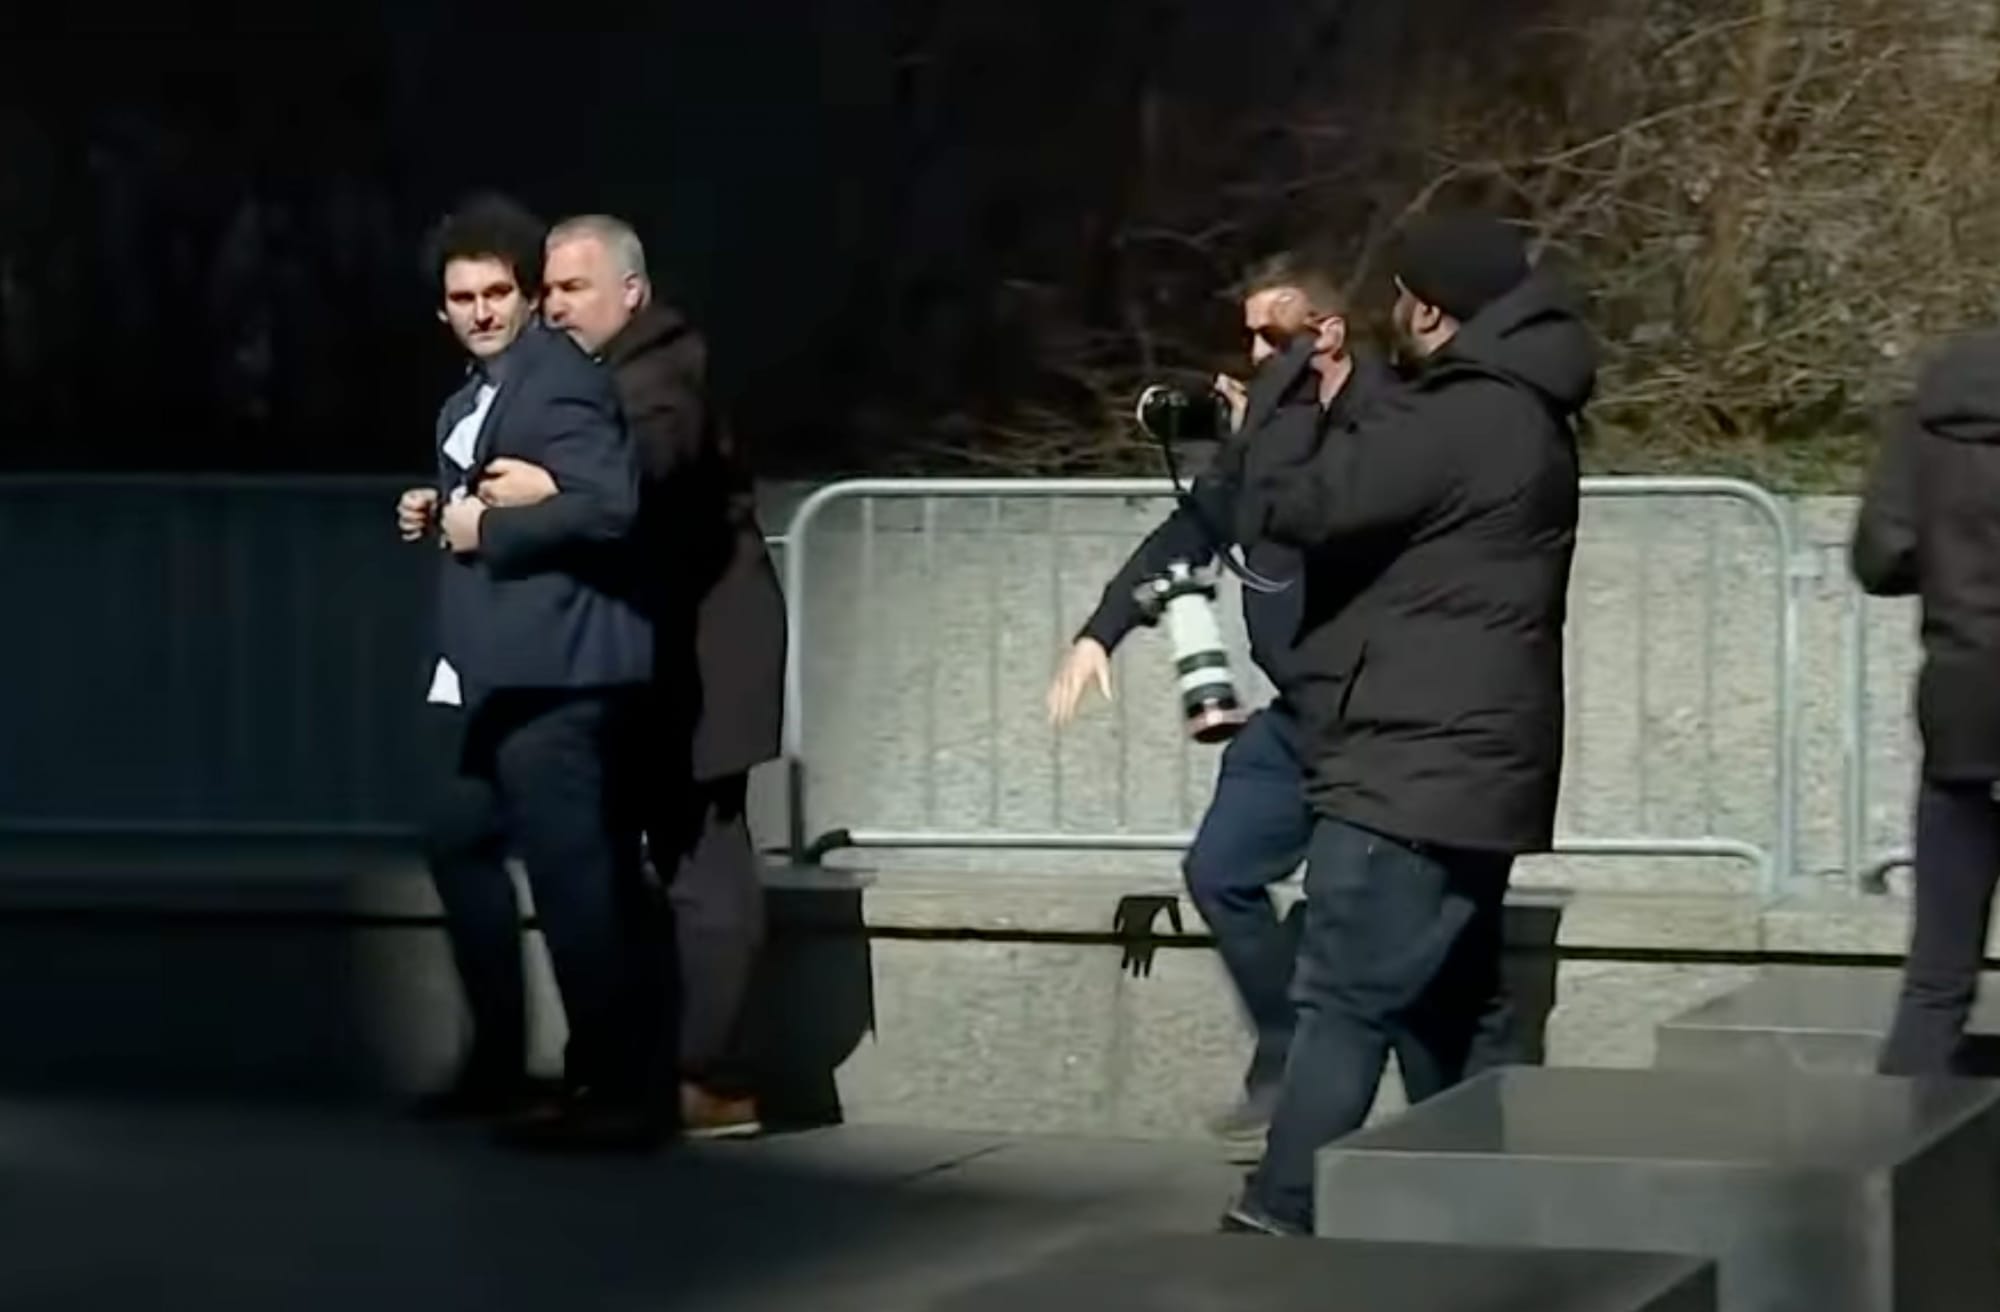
(488,226)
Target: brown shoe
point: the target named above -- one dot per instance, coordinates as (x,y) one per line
(706,1115)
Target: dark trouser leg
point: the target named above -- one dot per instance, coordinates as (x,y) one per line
(1383,922)
(1254,835)
(1463,1023)
(716,893)
(467,851)
(1958,861)
(561,778)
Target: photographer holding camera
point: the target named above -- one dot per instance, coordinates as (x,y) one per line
(1256,830)
(1438,535)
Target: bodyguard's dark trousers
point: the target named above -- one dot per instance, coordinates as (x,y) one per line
(540,774)
(1254,835)
(1401,951)
(1958,863)
(699,841)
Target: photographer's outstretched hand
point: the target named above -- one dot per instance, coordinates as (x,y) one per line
(1087,663)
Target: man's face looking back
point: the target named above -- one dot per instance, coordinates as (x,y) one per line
(1278,316)
(1273,317)
(586,294)
(484,304)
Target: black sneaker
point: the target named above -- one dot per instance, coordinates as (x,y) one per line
(1244,1219)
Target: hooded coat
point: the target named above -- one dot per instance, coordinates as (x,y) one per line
(1930,526)
(1438,536)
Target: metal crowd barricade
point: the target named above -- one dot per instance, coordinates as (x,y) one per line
(243,656)
(811,839)
(212,656)
(1867,860)
(204,656)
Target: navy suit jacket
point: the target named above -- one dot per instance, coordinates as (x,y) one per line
(547,600)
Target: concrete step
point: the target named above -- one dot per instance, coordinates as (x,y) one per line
(112,1206)
(1813,1193)
(1811,1019)
(1228,1274)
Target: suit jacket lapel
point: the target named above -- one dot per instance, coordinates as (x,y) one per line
(455,406)
(482,450)
(510,387)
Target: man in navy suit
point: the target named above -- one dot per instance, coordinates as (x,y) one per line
(542,652)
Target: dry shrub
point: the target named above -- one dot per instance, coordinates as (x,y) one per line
(1773,204)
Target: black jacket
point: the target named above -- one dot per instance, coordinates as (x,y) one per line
(1190,533)
(1930,525)
(709,585)
(545,602)
(1439,534)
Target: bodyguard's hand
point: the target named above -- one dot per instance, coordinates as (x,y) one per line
(460,522)
(1233,391)
(416,511)
(1087,663)
(1280,376)
(510,482)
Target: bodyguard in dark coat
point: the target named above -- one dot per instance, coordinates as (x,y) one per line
(1431,666)
(1930,526)
(1438,537)
(724,691)
(707,583)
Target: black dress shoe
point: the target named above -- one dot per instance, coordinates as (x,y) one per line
(481,1097)
(585,1120)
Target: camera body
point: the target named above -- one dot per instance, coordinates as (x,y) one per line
(1185,596)
(1171,414)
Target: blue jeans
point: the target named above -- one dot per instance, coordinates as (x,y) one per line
(1401,952)
(1254,835)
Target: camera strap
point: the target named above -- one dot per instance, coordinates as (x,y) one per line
(1222,543)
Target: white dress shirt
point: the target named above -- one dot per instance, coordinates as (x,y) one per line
(459,447)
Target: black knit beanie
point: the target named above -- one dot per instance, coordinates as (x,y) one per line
(1461,263)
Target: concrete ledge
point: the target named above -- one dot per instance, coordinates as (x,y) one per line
(1015,1003)
(309,970)
(1011,1000)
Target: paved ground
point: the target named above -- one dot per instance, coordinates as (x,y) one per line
(138,1207)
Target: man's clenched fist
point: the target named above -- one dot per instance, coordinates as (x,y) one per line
(416,509)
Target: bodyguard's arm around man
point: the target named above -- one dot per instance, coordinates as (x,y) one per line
(716,705)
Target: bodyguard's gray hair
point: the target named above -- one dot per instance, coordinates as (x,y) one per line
(617,235)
